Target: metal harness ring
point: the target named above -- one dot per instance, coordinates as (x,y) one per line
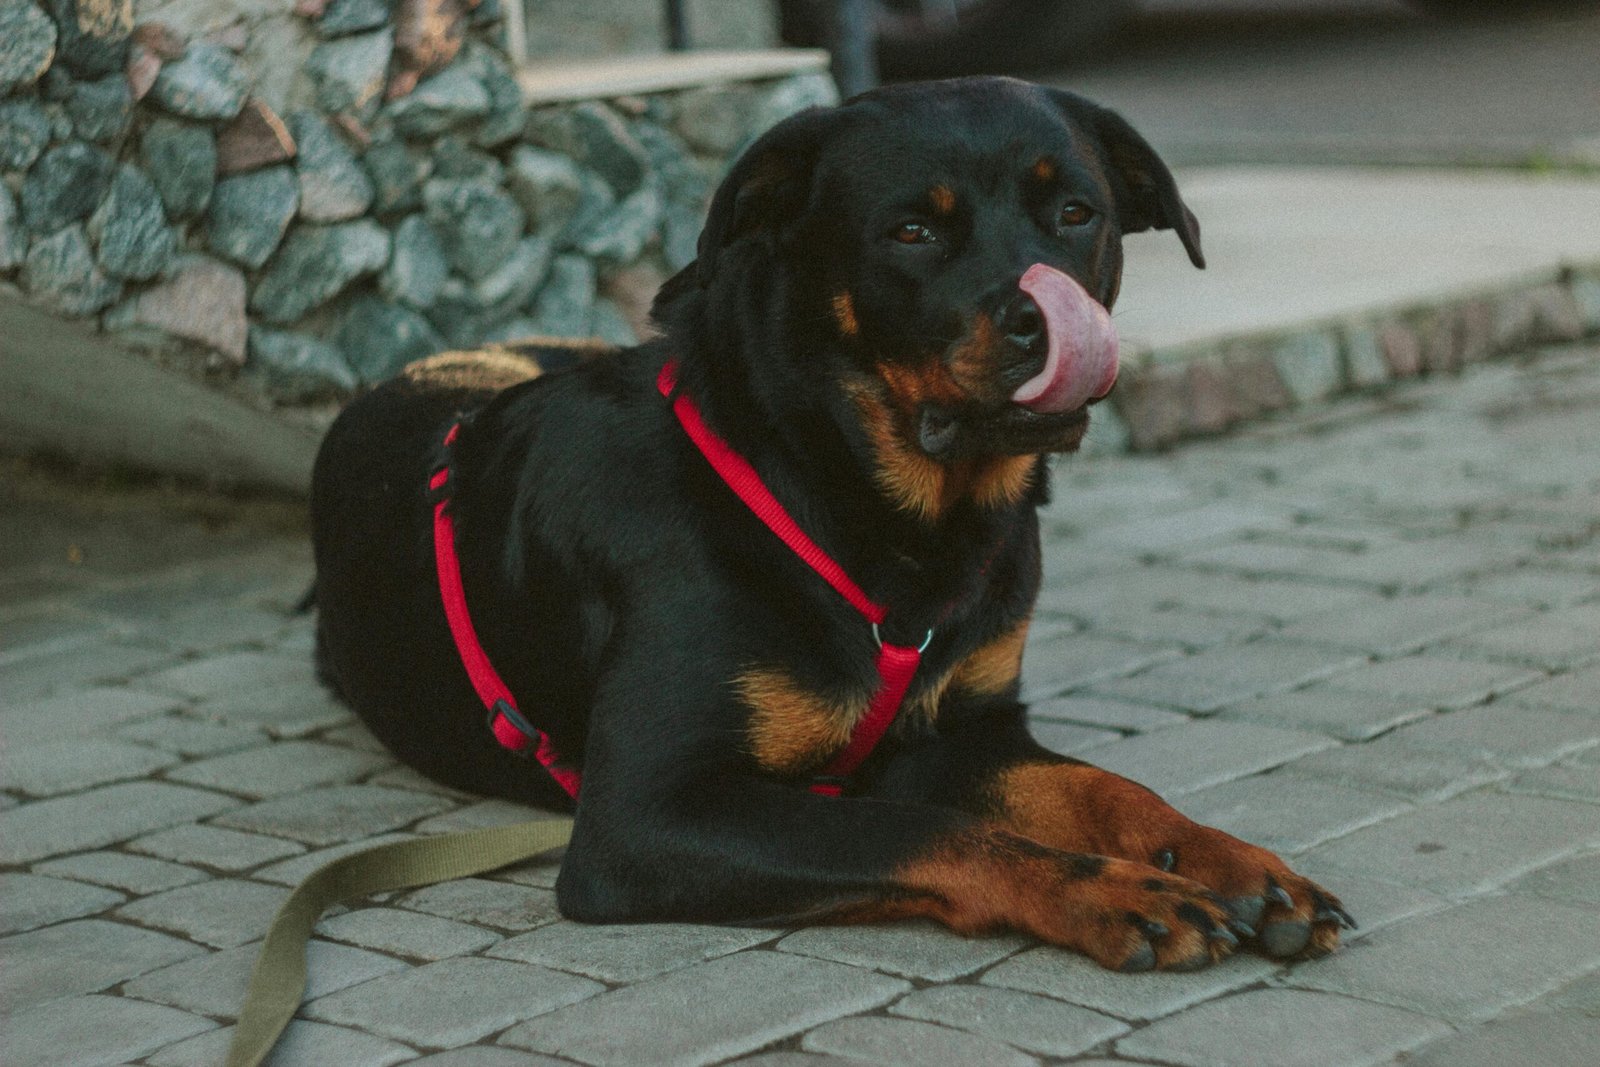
(926,641)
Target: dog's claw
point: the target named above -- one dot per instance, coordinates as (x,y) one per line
(1141,960)
(1226,936)
(1335,915)
(1280,896)
(1153,929)
(1243,929)
(1165,860)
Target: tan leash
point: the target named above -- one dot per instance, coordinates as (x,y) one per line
(279,979)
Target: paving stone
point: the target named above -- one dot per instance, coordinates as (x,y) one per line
(1468,963)
(1111,714)
(409,933)
(1440,683)
(482,902)
(1578,691)
(1535,587)
(221,913)
(452,1002)
(1283,1028)
(284,767)
(228,673)
(215,984)
(1549,1041)
(626,953)
(100,817)
(1215,678)
(209,627)
(292,709)
(28,901)
(1374,902)
(208,82)
(212,846)
(791,1059)
(1054,666)
(1555,641)
(1033,1023)
(1390,766)
(1575,881)
(303,1044)
(26,681)
(1469,844)
(1287,814)
(1579,997)
(189,736)
(85,956)
(1182,759)
(740,1002)
(921,950)
(135,874)
(316,263)
(908,1042)
(1576,781)
(486,1056)
(1070,739)
(1328,710)
(334,814)
(1067,976)
(1404,624)
(1505,734)
(480,816)
(47,1035)
(68,765)
(295,871)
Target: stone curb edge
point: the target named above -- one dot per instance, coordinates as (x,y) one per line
(1205,388)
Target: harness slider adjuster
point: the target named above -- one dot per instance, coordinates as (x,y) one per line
(504,708)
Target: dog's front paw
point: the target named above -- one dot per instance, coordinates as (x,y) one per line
(1287,915)
(1129,917)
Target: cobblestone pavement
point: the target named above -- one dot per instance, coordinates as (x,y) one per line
(1368,637)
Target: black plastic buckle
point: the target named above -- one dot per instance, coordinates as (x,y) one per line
(514,717)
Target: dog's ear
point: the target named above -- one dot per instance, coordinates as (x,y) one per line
(768,185)
(1147,195)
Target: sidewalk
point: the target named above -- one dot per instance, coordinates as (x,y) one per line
(1365,636)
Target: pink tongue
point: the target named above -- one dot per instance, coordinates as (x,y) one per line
(1081,362)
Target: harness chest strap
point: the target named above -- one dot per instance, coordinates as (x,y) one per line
(896,664)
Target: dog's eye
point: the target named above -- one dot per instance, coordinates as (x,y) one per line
(912,233)
(1075,214)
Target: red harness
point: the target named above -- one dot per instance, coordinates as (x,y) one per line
(897,664)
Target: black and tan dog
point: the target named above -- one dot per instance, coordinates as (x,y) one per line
(898,310)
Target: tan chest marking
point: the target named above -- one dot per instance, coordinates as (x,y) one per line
(792,729)
(993,668)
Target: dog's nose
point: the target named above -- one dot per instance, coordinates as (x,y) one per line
(1023,324)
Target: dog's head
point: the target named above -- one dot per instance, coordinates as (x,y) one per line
(943,256)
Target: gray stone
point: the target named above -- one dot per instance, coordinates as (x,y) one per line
(94,34)
(1578,781)
(1468,963)
(1375,902)
(188,736)
(1576,881)
(215,984)
(620,236)
(1576,691)
(597,138)
(910,1043)
(1109,714)
(201,300)
(293,709)
(407,933)
(284,767)
(61,273)
(1287,814)
(130,229)
(93,1030)
(24,133)
(486,1055)
(791,95)
(1394,627)
(465,312)
(1309,365)
(1347,716)
(1546,1040)
(348,73)
(342,17)
(451,1002)
(1504,734)
(1435,681)
(181,159)
(740,1003)
(486,903)
(1070,739)
(1030,1022)
(333,187)
(565,306)
(334,814)
(212,846)
(505,116)
(454,157)
(1186,758)
(1067,976)
(135,874)
(417,267)
(81,957)
(223,913)
(680,244)
(1217,677)
(1254,1029)
(78,713)
(297,367)
(1467,845)
(57,671)
(441,102)
(302,1044)
(67,765)
(207,83)
(315,264)
(65,185)
(1071,661)
(1363,357)
(1554,641)
(30,38)
(1392,767)
(13,235)
(550,189)
(479,225)
(629,953)
(397,173)
(28,901)
(716,120)
(920,950)
(100,110)
(378,338)
(250,213)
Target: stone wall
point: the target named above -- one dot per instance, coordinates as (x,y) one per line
(291,198)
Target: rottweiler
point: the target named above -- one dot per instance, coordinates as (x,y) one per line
(756,591)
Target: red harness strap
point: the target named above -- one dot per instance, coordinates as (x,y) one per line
(897,664)
(510,728)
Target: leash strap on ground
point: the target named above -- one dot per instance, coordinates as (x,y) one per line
(279,978)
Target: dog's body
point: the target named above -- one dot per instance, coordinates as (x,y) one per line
(870,325)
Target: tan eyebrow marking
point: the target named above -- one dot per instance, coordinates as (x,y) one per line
(943,199)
